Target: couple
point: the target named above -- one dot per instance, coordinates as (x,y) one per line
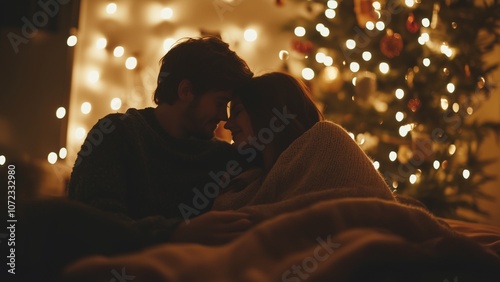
(156,165)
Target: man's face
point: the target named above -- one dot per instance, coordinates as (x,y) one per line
(205,112)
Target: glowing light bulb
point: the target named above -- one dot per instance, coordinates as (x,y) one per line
(400,116)
(166,13)
(450,87)
(72,40)
(332,4)
(63,153)
(452,149)
(325,32)
(101,43)
(60,112)
(399,93)
(328,61)
(370,25)
(436,164)
(329,13)
(283,55)
(409,3)
(455,107)
(444,104)
(299,31)
(350,44)
(319,27)
(111,8)
(3,159)
(413,179)
(118,51)
(307,73)
(116,104)
(86,107)
(376,164)
(384,68)
(366,56)
(93,76)
(426,22)
(466,173)
(131,63)
(426,62)
(52,158)
(250,35)
(354,67)
(393,156)
(380,25)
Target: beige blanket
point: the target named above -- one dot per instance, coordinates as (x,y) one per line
(323,163)
(352,239)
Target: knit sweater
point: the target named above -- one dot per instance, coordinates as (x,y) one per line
(129,166)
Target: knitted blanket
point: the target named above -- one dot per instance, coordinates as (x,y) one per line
(323,163)
(350,239)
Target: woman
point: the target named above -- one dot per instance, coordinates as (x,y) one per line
(277,127)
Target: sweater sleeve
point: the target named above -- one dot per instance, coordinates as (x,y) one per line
(99,179)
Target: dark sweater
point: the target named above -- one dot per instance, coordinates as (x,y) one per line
(129,166)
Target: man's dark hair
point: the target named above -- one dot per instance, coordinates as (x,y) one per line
(208,64)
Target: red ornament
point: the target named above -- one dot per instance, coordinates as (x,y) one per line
(411,24)
(414,104)
(304,47)
(391,44)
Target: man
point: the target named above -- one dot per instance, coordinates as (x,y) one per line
(152,164)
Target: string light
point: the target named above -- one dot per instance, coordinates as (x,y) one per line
(250,35)
(370,25)
(400,116)
(283,55)
(452,149)
(72,40)
(413,179)
(410,3)
(307,73)
(466,173)
(118,51)
(332,4)
(426,22)
(300,31)
(354,67)
(60,112)
(116,104)
(444,103)
(376,164)
(166,13)
(52,158)
(86,107)
(426,62)
(450,87)
(366,56)
(111,8)
(131,63)
(63,153)
(436,164)
(350,44)
(328,61)
(393,156)
(455,107)
(101,43)
(3,159)
(329,13)
(399,93)
(80,133)
(380,25)
(320,57)
(384,68)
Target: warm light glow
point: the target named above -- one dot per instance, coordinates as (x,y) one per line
(400,93)
(307,73)
(445,49)
(72,40)
(250,35)
(101,43)
(366,56)
(400,116)
(80,133)
(384,68)
(131,63)
(52,158)
(351,134)
(380,25)
(452,149)
(116,104)
(455,107)
(93,76)
(168,43)
(413,179)
(331,73)
(376,5)
(423,38)
(426,22)
(444,103)
(370,25)
(329,13)
(426,62)
(111,8)
(167,13)
(328,61)
(353,81)
(325,32)
(404,129)
(450,87)
(470,110)
(393,156)
(350,44)
(410,3)
(60,112)
(466,173)
(118,51)
(332,4)
(320,57)
(354,67)
(300,31)
(376,164)
(63,153)
(283,55)
(320,27)
(3,160)
(436,164)
(86,107)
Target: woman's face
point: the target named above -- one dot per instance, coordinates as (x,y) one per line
(239,123)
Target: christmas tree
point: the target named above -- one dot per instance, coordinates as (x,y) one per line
(405,77)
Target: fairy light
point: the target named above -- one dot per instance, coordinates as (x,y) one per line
(426,62)
(384,68)
(351,135)
(399,116)
(60,112)
(452,149)
(93,76)
(412,179)
(376,164)
(354,67)
(426,22)
(370,25)
(436,164)
(52,158)
(399,93)
(350,44)
(320,57)
(319,27)
(466,173)
(366,56)
(405,129)
(444,104)
(250,35)
(72,40)
(353,81)
(325,32)
(450,87)
(166,13)
(330,13)
(393,156)
(470,110)
(410,3)
(101,43)
(116,104)
(86,107)
(80,133)
(118,51)
(455,107)
(300,31)
(63,153)
(380,25)
(131,63)
(328,61)
(283,55)
(332,4)
(3,159)
(168,43)
(307,73)
(111,8)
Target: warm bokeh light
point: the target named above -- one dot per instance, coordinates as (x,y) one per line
(86,108)
(80,133)
(52,158)
(60,112)
(166,13)
(307,73)
(111,8)
(131,63)
(116,104)
(3,159)
(72,40)
(101,43)
(399,93)
(300,31)
(118,51)
(384,68)
(63,153)
(93,76)
(366,56)
(250,35)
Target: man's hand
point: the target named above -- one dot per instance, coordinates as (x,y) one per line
(212,228)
